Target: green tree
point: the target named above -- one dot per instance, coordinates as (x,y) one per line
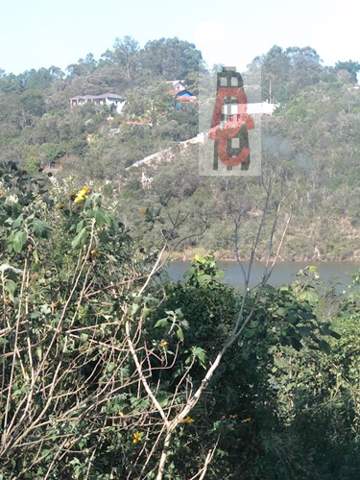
(349,66)
(171,58)
(125,54)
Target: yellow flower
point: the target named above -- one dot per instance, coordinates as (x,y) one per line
(137,437)
(82,194)
(163,344)
(187,420)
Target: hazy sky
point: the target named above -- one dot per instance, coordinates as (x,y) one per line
(35,33)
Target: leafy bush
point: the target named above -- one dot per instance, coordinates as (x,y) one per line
(98,356)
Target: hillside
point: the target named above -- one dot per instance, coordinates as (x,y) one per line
(310,145)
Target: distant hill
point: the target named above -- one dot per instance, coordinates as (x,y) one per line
(311,144)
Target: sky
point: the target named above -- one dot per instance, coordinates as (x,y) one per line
(41,33)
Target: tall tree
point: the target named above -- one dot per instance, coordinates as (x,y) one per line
(351,67)
(124,53)
(171,58)
(286,71)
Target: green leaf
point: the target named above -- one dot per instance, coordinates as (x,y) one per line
(324,346)
(180,334)
(80,239)
(250,332)
(84,337)
(162,323)
(18,241)
(39,352)
(110,367)
(134,308)
(101,217)
(18,222)
(80,225)
(40,228)
(10,287)
(200,354)
(326,330)
(280,312)
(146,312)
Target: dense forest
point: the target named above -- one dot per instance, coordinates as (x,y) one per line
(111,370)
(310,143)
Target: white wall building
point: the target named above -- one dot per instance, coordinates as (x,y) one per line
(109,99)
(263,108)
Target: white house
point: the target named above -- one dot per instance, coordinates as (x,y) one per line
(263,108)
(109,99)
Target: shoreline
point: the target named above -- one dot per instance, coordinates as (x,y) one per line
(228,256)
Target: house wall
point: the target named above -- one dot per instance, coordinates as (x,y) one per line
(251,108)
(119,105)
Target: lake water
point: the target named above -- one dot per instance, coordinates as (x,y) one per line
(337,274)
